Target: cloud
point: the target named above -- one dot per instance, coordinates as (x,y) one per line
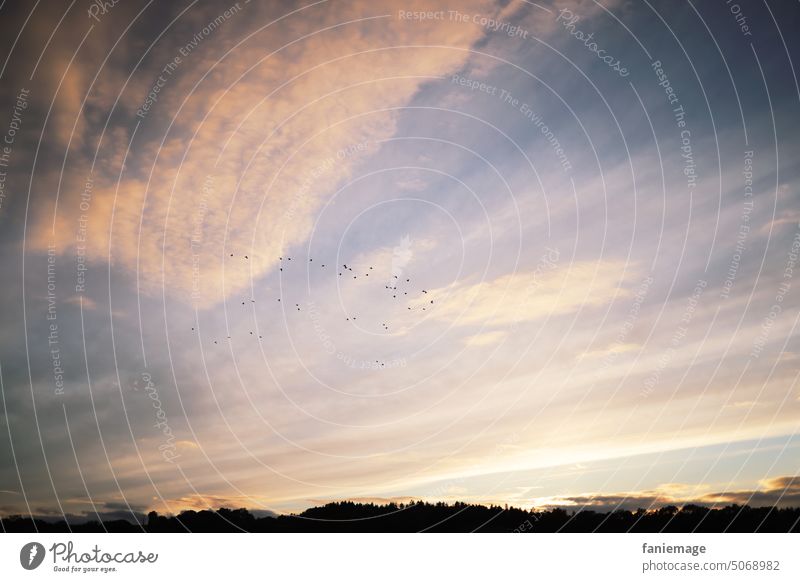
(485,339)
(785,218)
(198,502)
(99,511)
(523,296)
(186,444)
(81,300)
(254,145)
(614,350)
(777,491)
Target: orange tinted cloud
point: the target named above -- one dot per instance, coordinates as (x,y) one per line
(258,137)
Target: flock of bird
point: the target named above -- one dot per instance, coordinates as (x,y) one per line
(398,286)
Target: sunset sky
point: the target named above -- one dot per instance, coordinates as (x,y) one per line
(606,230)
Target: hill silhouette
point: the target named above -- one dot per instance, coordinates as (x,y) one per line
(347,516)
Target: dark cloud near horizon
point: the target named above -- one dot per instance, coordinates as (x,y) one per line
(776,492)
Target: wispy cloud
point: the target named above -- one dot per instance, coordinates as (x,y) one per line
(521,296)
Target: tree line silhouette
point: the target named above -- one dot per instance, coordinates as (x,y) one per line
(347,516)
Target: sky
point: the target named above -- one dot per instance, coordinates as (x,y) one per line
(272,254)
